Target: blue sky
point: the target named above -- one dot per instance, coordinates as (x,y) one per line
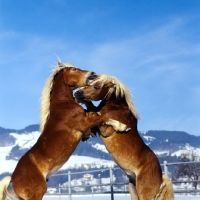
(153,47)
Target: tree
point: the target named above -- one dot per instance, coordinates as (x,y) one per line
(190,170)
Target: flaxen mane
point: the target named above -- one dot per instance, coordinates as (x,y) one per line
(45,98)
(120,90)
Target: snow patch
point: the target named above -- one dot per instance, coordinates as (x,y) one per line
(159,153)
(100,147)
(189,150)
(26,140)
(86,161)
(149,138)
(6,165)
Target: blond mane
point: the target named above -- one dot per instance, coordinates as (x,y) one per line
(120,91)
(45,97)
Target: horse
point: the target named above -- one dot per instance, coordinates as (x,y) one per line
(128,150)
(63,121)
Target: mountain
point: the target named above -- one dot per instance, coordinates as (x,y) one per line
(166,144)
(170,141)
(30,128)
(7,139)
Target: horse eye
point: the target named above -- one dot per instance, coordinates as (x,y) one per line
(74,69)
(96,87)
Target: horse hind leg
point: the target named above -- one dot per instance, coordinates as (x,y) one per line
(34,193)
(31,190)
(35,197)
(132,190)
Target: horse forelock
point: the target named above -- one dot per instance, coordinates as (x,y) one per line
(46,93)
(119,89)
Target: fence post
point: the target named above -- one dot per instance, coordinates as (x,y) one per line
(111,183)
(165,168)
(59,188)
(69,185)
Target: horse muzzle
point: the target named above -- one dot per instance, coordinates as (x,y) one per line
(79,95)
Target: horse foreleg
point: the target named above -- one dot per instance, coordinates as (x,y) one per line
(118,126)
(96,119)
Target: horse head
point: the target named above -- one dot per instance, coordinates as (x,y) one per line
(75,77)
(105,87)
(64,77)
(96,91)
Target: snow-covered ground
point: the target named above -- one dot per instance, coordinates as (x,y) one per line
(108,197)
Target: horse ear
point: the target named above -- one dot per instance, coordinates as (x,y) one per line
(60,64)
(110,85)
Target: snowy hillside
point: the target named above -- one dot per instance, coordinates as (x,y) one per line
(189,150)
(6,165)
(166,144)
(25,141)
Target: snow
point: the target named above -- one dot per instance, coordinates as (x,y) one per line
(149,138)
(26,140)
(78,161)
(100,147)
(108,197)
(88,197)
(187,150)
(8,165)
(165,152)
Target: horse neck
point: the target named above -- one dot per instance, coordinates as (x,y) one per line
(114,100)
(60,92)
(111,100)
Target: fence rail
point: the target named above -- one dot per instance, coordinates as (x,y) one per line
(112,186)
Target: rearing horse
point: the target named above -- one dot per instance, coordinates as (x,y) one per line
(128,150)
(62,123)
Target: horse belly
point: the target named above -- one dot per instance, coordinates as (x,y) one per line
(122,153)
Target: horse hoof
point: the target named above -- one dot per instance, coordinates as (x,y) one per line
(98,113)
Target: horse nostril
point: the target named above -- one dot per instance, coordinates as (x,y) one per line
(79,94)
(93,73)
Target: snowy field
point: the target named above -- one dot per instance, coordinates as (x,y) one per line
(108,197)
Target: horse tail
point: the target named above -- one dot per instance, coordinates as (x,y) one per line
(3,187)
(5,193)
(166,191)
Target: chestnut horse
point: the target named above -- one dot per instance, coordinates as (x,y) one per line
(62,123)
(128,150)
